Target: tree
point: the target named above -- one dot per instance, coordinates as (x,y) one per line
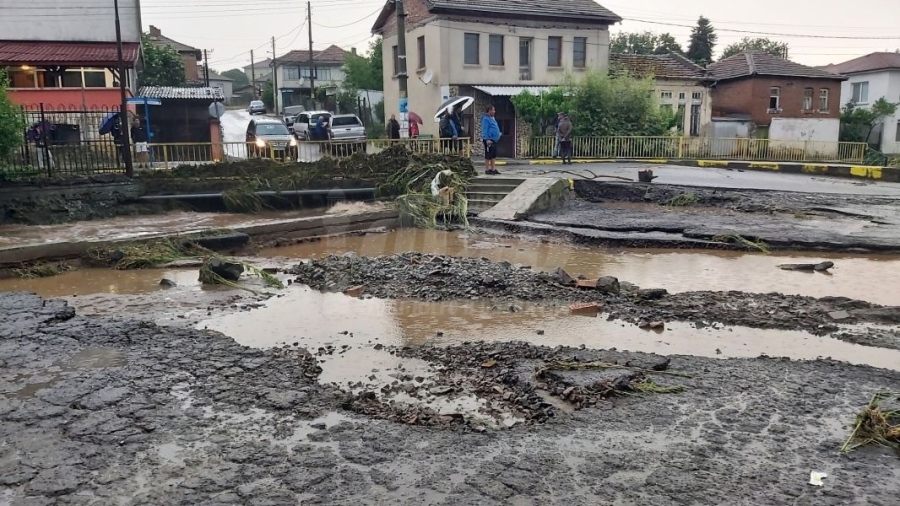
(268,95)
(12,121)
(703,41)
(644,43)
(604,106)
(239,77)
(364,72)
(759,44)
(163,65)
(858,123)
(540,110)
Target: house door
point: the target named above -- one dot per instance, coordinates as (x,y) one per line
(506,148)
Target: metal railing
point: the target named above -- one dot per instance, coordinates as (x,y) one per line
(665,147)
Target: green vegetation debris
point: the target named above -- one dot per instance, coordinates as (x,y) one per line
(41,270)
(148,254)
(208,277)
(878,423)
(682,200)
(243,198)
(758,245)
(649,387)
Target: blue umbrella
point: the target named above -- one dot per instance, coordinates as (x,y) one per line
(107,125)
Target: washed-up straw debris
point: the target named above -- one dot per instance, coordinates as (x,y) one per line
(878,423)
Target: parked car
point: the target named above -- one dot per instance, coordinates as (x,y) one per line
(269,138)
(256,107)
(305,122)
(289,113)
(348,132)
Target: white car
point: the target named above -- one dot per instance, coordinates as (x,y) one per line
(305,122)
(347,127)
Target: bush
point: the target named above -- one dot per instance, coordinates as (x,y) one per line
(603,106)
(12,121)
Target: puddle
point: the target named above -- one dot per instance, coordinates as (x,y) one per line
(91,281)
(24,387)
(675,270)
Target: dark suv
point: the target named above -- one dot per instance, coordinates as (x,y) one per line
(269,138)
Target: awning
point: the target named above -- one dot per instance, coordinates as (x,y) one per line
(87,54)
(510,91)
(176,93)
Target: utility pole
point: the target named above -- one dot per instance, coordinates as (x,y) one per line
(123,107)
(252,74)
(402,77)
(274,78)
(206,68)
(312,68)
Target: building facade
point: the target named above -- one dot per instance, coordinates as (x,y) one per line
(680,85)
(492,52)
(785,102)
(66,57)
(869,78)
(295,77)
(190,56)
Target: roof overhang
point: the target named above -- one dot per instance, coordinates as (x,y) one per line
(85,54)
(511,91)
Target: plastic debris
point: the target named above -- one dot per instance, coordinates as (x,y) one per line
(815,478)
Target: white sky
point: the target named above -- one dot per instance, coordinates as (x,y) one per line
(230,28)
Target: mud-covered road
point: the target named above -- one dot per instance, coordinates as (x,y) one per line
(102,412)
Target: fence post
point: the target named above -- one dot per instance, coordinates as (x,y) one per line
(166,155)
(46,148)
(680,147)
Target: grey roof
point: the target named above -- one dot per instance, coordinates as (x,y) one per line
(259,64)
(215,76)
(869,63)
(173,93)
(758,63)
(553,8)
(671,66)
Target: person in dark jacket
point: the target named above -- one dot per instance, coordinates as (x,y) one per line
(565,139)
(118,135)
(140,139)
(490,136)
(393,128)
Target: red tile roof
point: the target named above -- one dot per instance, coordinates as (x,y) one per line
(757,63)
(868,63)
(101,54)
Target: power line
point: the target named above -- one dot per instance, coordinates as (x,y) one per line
(352,23)
(775,34)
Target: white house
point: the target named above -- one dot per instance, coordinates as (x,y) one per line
(871,77)
(491,50)
(295,78)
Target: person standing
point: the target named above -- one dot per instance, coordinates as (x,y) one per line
(393,128)
(490,136)
(565,139)
(118,135)
(413,129)
(140,138)
(559,116)
(456,123)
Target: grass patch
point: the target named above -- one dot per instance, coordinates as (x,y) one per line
(682,200)
(147,254)
(758,245)
(878,423)
(650,387)
(41,270)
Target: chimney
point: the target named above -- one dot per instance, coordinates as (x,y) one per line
(353,50)
(154,31)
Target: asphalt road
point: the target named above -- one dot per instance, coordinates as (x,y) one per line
(714,178)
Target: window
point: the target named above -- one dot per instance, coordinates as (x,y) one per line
(495,50)
(525,52)
(23,77)
(695,120)
(897,135)
(420,43)
(554,51)
(72,79)
(679,118)
(579,52)
(860,92)
(94,78)
(807,99)
(681,96)
(823,100)
(291,73)
(396,55)
(696,96)
(471,49)
(774,99)
(665,95)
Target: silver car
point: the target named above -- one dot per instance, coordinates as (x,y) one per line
(347,127)
(256,107)
(269,138)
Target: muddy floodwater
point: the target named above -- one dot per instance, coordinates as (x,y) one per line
(873,278)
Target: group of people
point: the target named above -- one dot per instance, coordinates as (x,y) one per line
(394,128)
(139,138)
(563,147)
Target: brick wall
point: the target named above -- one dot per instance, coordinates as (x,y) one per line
(751,96)
(416,12)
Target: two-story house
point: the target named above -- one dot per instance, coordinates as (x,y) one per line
(258,70)
(871,77)
(293,71)
(786,102)
(679,83)
(190,56)
(63,54)
(490,50)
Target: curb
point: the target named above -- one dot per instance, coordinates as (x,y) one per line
(876,173)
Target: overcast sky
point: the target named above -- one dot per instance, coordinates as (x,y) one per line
(230,28)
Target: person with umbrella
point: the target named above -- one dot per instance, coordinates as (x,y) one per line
(140,138)
(490,136)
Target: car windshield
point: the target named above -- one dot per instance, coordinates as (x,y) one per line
(256,103)
(271,129)
(345,121)
(315,117)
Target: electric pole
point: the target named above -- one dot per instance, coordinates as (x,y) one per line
(401,72)
(252,74)
(312,68)
(274,78)
(123,107)
(206,68)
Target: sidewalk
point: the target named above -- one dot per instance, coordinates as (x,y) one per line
(889,174)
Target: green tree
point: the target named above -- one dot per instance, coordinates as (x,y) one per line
(163,65)
(12,121)
(858,123)
(759,44)
(604,106)
(268,95)
(239,77)
(346,101)
(644,43)
(540,110)
(703,41)
(365,72)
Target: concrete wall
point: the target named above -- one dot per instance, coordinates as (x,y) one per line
(813,135)
(68,20)
(884,84)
